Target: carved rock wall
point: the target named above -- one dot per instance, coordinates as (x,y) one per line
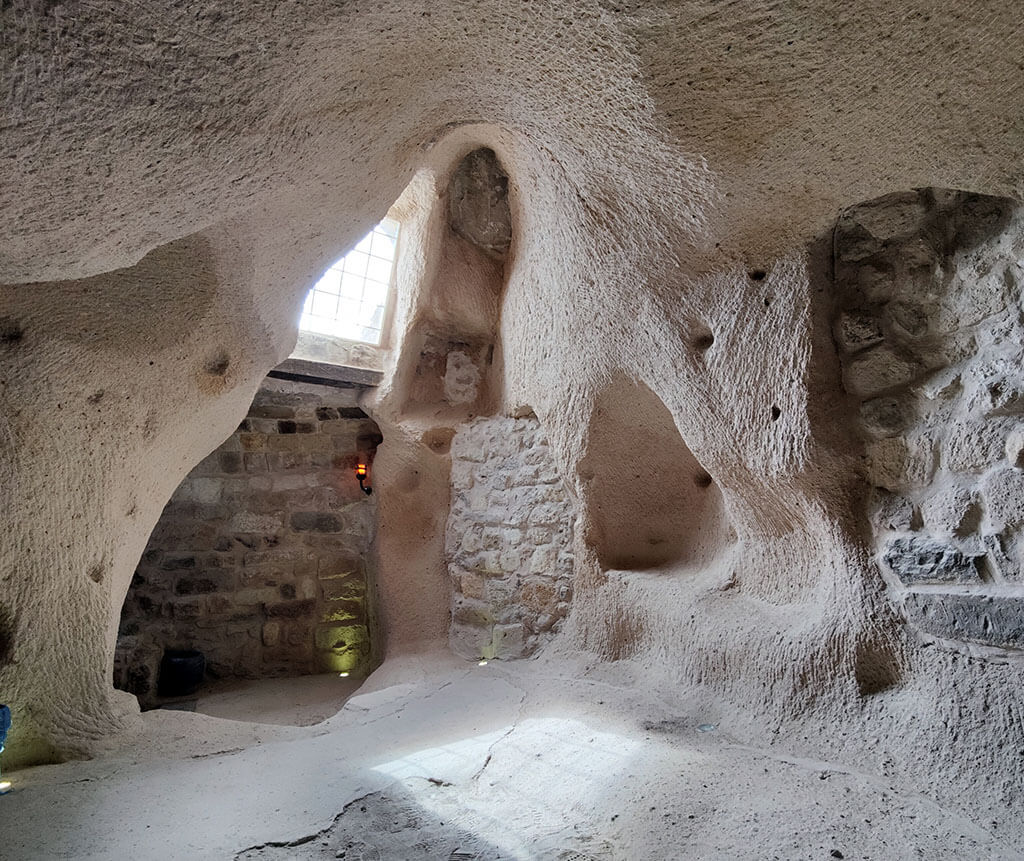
(175,177)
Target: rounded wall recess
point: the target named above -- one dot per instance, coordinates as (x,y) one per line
(649,501)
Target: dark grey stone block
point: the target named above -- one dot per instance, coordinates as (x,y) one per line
(917,560)
(986,619)
(315,521)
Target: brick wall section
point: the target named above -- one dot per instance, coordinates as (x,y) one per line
(259,559)
(929,286)
(508,541)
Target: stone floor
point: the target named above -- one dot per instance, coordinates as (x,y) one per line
(439,759)
(298,701)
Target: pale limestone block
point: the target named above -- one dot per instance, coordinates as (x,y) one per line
(952,511)
(1014,448)
(1003,491)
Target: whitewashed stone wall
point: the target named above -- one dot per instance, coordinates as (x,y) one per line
(509,539)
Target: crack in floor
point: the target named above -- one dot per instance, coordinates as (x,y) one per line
(302,841)
(515,724)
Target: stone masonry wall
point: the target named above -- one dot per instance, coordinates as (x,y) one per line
(260,558)
(931,336)
(509,539)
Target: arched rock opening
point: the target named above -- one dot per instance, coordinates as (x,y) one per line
(262,559)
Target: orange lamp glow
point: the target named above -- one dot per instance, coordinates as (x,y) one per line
(361,476)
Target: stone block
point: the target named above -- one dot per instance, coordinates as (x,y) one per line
(1003,491)
(315,521)
(1000,395)
(282,460)
(250,522)
(300,634)
(543,559)
(291,609)
(265,427)
(919,560)
(471,613)
(349,612)
(271,633)
(510,560)
(231,461)
(334,637)
(885,416)
(345,429)
(878,371)
(336,565)
(351,588)
(472,585)
(469,641)
(952,511)
(1004,556)
(896,463)
(188,609)
(989,620)
(538,535)
(296,481)
(271,411)
(975,445)
(891,511)
(297,443)
(306,587)
(296,427)
(195,586)
(539,596)
(178,562)
(253,441)
(1014,448)
(256,595)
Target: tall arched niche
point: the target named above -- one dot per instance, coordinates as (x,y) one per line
(649,503)
(449,359)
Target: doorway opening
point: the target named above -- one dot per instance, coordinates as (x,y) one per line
(262,564)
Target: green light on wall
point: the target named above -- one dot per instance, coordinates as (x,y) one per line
(345,661)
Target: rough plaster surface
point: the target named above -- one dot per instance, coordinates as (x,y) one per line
(174,178)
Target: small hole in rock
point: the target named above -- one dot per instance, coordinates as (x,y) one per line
(10,331)
(6,635)
(776,412)
(767,301)
(757,274)
(702,479)
(704,341)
